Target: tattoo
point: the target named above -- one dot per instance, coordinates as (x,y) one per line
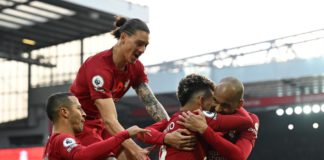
(153,106)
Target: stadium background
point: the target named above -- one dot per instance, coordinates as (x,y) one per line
(43,43)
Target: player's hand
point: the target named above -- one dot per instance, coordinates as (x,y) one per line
(194,122)
(181,139)
(134,130)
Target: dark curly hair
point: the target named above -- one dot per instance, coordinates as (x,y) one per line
(192,84)
(129,26)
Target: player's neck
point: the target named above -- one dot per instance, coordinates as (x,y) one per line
(118,60)
(60,128)
(189,107)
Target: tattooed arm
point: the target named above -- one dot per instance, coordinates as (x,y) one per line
(153,106)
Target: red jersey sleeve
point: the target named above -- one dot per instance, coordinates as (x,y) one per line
(100,81)
(251,133)
(70,150)
(156,132)
(242,147)
(238,121)
(141,76)
(226,148)
(65,145)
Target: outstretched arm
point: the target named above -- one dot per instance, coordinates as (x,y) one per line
(108,114)
(100,149)
(180,138)
(153,106)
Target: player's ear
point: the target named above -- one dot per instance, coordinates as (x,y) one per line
(241,103)
(123,37)
(63,111)
(201,100)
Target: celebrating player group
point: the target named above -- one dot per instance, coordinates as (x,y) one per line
(211,122)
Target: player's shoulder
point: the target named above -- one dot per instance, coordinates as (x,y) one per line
(138,62)
(138,65)
(172,123)
(63,136)
(254,117)
(175,116)
(65,141)
(104,53)
(99,57)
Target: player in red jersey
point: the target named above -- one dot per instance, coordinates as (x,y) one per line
(232,145)
(65,111)
(105,77)
(194,92)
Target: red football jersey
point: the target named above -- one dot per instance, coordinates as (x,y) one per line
(64,146)
(217,122)
(98,77)
(233,145)
(170,153)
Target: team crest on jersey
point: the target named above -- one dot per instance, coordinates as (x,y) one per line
(98,82)
(68,141)
(69,144)
(210,114)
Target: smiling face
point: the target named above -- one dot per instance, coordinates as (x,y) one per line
(134,45)
(76,115)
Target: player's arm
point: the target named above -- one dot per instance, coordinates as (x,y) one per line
(180,139)
(224,147)
(100,149)
(238,151)
(238,121)
(157,136)
(108,113)
(241,149)
(153,106)
(194,121)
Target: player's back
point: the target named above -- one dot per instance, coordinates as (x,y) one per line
(170,153)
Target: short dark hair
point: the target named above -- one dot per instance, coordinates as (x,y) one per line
(129,26)
(193,84)
(54,101)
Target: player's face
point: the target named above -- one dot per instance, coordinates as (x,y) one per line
(223,104)
(77,115)
(135,45)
